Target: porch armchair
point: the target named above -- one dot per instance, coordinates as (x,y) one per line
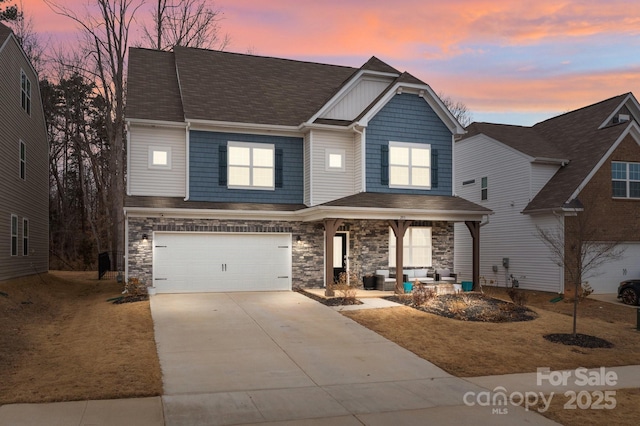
(447,275)
(384,282)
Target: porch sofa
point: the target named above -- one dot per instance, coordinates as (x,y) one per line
(386,278)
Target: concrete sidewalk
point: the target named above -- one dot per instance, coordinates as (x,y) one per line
(281,358)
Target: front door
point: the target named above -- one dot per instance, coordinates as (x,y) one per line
(339,255)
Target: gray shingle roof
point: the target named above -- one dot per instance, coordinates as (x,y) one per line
(4,32)
(180,203)
(200,84)
(574,136)
(408,201)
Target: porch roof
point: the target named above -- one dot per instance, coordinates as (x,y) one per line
(365,205)
(371,205)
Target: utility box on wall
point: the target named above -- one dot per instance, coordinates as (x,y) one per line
(505,262)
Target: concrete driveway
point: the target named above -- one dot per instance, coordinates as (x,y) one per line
(246,358)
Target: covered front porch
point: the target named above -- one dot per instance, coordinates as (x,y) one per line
(397,213)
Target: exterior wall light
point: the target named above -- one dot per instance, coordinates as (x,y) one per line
(145,237)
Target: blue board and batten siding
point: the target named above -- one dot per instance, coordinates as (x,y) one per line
(204,165)
(408,118)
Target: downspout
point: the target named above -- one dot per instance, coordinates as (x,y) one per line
(561,218)
(186,191)
(363,181)
(127,128)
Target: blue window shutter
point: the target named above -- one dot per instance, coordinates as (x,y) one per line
(434,168)
(384,164)
(279,166)
(222,165)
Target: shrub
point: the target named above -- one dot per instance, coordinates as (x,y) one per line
(518,296)
(347,285)
(421,294)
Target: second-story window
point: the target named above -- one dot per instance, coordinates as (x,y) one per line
(251,165)
(23,161)
(625,178)
(409,165)
(159,157)
(484,189)
(335,159)
(14,235)
(25,92)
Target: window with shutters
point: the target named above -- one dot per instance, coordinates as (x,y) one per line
(250,166)
(409,165)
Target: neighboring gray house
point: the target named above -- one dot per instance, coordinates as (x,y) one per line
(255,173)
(545,175)
(24,165)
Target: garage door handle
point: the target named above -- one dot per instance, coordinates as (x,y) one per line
(224,267)
(284,276)
(160,279)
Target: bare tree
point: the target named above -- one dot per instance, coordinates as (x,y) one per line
(577,245)
(29,40)
(105,30)
(188,23)
(458,109)
(9,13)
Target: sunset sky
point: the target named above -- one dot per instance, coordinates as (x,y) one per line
(515,62)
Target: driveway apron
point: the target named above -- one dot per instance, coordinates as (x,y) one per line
(242,358)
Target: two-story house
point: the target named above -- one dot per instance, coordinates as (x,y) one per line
(260,173)
(582,167)
(24,165)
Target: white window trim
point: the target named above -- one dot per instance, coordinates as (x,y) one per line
(408,253)
(251,146)
(27,107)
(410,145)
(152,150)
(331,151)
(25,236)
(22,161)
(12,235)
(627,181)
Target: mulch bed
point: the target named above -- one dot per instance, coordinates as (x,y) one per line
(581,340)
(470,307)
(332,301)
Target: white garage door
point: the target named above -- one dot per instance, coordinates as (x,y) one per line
(608,276)
(205,262)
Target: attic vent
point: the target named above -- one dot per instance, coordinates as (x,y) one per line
(621,118)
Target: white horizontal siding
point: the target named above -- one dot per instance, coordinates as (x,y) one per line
(360,97)
(540,175)
(157,182)
(358,167)
(509,233)
(307,168)
(327,185)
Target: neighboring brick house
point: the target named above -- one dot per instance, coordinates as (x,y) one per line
(585,163)
(258,173)
(24,165)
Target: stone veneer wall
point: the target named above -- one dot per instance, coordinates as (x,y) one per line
(368,244)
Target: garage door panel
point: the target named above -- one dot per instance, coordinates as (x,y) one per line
(190,262)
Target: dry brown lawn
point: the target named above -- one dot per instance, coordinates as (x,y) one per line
(469,349)
(62,340)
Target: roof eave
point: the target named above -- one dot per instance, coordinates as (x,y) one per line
(317,213)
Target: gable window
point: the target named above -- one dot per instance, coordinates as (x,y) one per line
(484,191)
(25,92)
(417,247)
(625,179)
(14,235)
(159,157)
(251,165)
(409,165)
(25,237)
(23,160)
(335,159)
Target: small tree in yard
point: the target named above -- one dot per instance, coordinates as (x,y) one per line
(577,245)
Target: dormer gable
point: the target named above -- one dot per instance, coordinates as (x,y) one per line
(628,110)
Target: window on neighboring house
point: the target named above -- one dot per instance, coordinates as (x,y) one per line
(14,235)
(159,157)
(25,237)
(25,92)
(335,159)
(484,192)
(409,165)
(251,165)
(625,179)
(23,160)
(417,247)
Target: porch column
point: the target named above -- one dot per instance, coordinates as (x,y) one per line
(399,229)
(330,228)
(474,229)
